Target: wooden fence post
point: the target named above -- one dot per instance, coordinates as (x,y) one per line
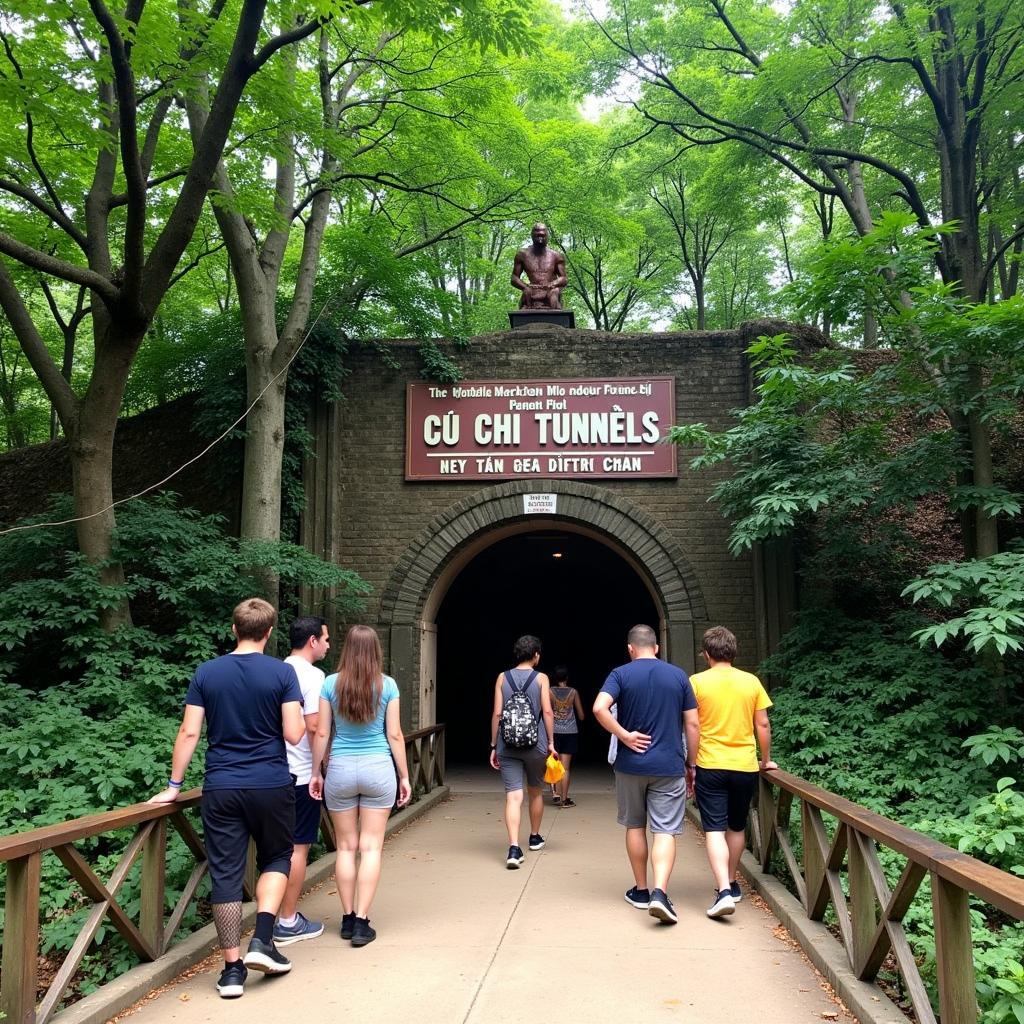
(154,869)
(954,953)
(21,941)
(862,899)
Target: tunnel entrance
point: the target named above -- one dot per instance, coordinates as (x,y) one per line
(574,592)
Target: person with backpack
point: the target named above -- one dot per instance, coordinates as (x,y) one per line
(522,727)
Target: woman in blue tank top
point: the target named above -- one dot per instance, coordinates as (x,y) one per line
(360,788)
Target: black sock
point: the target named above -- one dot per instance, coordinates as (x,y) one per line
(231,963)
(264,926)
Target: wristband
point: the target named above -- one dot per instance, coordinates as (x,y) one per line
(494,746)
(175,785)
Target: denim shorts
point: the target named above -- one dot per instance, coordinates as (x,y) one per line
(360,780)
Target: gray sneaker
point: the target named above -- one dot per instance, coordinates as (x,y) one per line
(303,928)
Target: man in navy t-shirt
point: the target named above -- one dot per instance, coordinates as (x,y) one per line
(251,704)
(654,703)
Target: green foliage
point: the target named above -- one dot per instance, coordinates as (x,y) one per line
(820,449)
(987,592)
(88,718)
(862,713)
(880,721)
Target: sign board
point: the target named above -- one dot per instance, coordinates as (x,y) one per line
(595,429)
(540,504)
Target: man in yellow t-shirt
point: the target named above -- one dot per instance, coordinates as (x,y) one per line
(732,706)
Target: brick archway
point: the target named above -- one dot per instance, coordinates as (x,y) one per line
(419,579)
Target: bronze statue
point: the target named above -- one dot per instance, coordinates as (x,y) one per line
(545,269)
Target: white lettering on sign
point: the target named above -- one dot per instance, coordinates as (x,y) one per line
(586,429)
(540,504)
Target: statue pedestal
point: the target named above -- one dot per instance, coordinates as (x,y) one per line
(556,317)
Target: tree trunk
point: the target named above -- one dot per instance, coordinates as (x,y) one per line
(986,534)
(92,460)
(699,298)
(264,441)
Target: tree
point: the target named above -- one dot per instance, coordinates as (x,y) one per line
(380,117)
(115,218)
(830,94)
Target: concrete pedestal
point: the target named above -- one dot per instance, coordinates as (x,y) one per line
(557,317)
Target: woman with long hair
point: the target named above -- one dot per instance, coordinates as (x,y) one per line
(360,787)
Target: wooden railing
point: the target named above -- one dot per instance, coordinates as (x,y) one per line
(152,935)
(424,750)
(868,912)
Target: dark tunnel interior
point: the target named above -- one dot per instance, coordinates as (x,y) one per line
(579,596)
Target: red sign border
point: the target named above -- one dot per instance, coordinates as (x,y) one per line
(670,379)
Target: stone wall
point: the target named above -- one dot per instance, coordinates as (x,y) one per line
(147,448)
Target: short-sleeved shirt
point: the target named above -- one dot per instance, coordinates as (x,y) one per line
(727,698)
(241,695)
(651,696)
(360,737)
(311,681)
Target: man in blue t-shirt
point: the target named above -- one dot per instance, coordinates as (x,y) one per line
(655,702)
(251,704)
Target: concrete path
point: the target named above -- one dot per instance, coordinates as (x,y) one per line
(462,940)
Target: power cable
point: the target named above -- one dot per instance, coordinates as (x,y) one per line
(213,444)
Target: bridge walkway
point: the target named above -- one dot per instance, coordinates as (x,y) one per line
(462,940)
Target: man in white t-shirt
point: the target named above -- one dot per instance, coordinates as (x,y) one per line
(310,642)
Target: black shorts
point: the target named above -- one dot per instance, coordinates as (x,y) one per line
(307,816)
(723,797)
(230,817)
(567,742)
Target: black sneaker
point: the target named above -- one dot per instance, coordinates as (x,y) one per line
(362,933)
(264,957)
(735,891)
(536,843)
(639,898)
(722,905)
(348,922)
(661,908)
(515,858)
(232,980)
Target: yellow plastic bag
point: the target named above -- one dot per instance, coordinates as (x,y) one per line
(553,769)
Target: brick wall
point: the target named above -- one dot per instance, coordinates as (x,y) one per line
(364,514)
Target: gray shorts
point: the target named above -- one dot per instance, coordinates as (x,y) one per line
(514,763)
(360,780)
(662,798)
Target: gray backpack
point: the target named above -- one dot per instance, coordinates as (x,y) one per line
(519,727)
